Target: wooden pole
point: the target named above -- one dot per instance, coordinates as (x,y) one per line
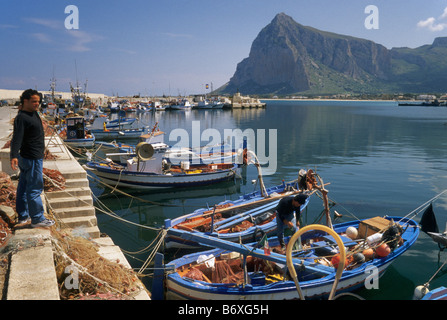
(312,182)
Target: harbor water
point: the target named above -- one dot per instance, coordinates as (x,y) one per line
(380,159)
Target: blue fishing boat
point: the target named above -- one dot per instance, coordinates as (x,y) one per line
(242,220)
(436,294)
(113,134)
(326,262)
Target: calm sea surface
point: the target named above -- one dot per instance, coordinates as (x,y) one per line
(378,158)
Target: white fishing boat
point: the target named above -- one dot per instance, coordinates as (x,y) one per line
(158,106)
(204,104)
(148,171)
(183,104)
(221,153)
(114,107)
(209,104)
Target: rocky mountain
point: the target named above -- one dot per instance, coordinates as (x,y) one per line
(287,57)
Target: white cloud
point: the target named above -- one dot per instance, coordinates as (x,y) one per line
(41,37)
(432,24)
(69,40)
(8,26)
(53,24)
(80,40)
(444,14)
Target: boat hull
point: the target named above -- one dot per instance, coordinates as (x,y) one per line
(80,143)
(118,134)
(142,180)
(285,290)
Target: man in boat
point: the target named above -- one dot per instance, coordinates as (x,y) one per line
(288,215)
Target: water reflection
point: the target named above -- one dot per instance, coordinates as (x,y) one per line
(378,158)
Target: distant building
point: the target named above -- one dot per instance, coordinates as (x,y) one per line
(14,95)
(245,101)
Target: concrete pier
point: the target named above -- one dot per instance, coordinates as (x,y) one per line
(32,274)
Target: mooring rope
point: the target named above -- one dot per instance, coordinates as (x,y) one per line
(425,205)
(434,275)
(108,212)
(131,196)
(162,235)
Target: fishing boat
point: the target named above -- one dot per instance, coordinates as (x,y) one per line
(148,171)
(218,105)
(75,134)
(121,128)
(183,104)
(113,134)
(114,107)
(222,153)
(114,147)
(250,216)
(319,262)
(158,106)
(203,104)
(103,122)
(436,294)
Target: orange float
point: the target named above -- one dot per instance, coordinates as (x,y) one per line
(383,250)
(336,260)
(368,253)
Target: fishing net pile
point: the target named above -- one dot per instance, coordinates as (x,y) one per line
(5,232)
(7,190)
(48,128)
(53,180)
(221,272)
(228,271)
(95,276)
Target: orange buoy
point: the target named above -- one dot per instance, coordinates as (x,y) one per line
(336,261)
(383,250)
(368,253)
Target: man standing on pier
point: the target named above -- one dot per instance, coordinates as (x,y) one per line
(27,153)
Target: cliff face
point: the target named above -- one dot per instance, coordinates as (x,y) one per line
(287,57)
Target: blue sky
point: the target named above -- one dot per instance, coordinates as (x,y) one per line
(175,47)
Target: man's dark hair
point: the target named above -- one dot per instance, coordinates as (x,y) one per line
(301,198)
(27,94)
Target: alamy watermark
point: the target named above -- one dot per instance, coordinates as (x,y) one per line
(72,280)
(72,20)
(372,20)
(258,141)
